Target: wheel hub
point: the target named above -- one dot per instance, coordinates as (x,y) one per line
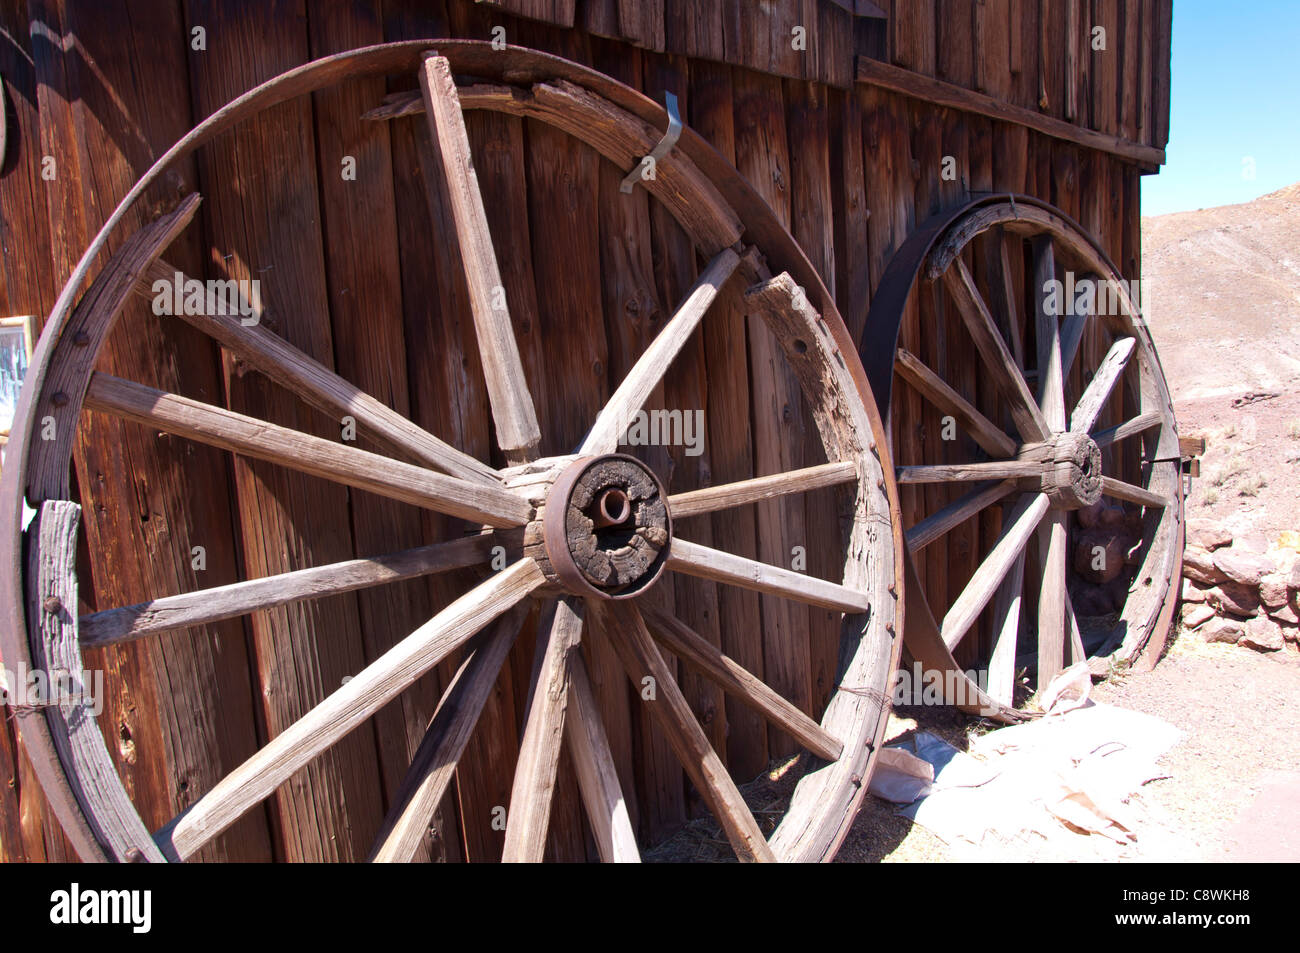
(605,527)
(1072,471)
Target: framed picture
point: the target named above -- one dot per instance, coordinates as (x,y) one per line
(16,341)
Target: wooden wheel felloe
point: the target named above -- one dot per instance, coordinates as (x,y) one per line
(574,544)
(1036,446)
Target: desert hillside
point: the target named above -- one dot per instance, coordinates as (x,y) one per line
(1223,293)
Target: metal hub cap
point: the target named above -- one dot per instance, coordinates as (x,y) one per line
(606,527)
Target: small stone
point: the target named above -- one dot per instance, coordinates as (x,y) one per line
(1243,567)
(1293,580)
(1286,559)
(1251,541)
(1195,616)
(1192,592)
(1223,630)
(1291,633)
(1263,634)
(1272,591)
(1285,614)
(1234,599)
(1198,564)
(1208,534)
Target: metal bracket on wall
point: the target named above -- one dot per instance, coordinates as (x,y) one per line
(645,168)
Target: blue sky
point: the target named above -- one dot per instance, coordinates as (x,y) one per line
(1235,95)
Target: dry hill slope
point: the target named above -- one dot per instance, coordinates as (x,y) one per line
(1223,294)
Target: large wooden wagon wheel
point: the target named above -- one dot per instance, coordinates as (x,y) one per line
(585,535)
(1048,402)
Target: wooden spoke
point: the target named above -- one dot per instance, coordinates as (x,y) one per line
(966,472)
(1103,383)
(714,498)
(707,563)
(558,637)
(1008,244)
(640,656)
(1017,527)
(955,513)
(316,384)
(225,602)
(1077,651)
(512,406)
(218,427)
(736,680)
(379,682)
(1052,597)
(1119,490)
(1006,626)
(1072,328)
(932,387)
(1139,424)
(1051,379)
(593,763)
(998,360)
(653,363)
(444,742)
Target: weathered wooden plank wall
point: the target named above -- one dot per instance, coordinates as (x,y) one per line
(851,169)
(1033,53)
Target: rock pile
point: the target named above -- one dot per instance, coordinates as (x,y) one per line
(1239,588)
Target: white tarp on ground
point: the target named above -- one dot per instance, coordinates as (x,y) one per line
(1060,787)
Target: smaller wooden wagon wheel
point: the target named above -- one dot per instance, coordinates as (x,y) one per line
(1045,399)
(585,534)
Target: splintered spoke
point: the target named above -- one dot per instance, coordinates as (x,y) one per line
(1139,424)
(701,655)
(714,498)
(319,386)
(1016,530)
(539,751)
(1052,596)
(955,513)
(997,359)
(294,450)
(936,390)
(377,684)
(593,763)
(713,564)
(1102,384)
(653,363)
(512,406)
(226,602)
(641,658)
(1051,380)
(1119,490)
(444,742)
